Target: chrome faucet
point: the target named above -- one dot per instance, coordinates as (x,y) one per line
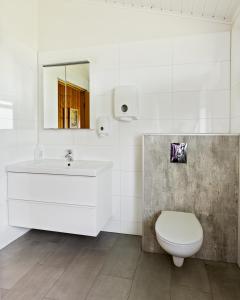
(69,156)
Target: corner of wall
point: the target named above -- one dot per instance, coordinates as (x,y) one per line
(10,234)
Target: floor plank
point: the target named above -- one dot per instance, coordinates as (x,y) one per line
(184,293)
(14,267)
(104,241)
(225,280)
(64,253)
(153,278)
(3,293)
(123,258)
(35,284)
(45,236)
(110,288)
(192,274)
(78,278)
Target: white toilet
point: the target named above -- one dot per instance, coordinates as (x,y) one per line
(180,234)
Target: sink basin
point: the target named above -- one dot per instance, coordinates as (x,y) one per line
(60,167)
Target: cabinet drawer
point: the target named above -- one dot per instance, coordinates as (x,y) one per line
(76,190)
(53,217)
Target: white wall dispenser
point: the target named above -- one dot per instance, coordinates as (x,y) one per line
(103,126)
(126,103)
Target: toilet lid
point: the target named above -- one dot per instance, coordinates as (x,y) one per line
(179,227)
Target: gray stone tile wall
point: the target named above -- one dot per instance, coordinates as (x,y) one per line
(208,185)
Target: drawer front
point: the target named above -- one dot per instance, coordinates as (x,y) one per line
(53,217)
(75,190)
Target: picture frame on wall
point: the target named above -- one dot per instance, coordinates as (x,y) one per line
(74,119)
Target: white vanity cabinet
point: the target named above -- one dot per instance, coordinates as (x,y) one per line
(49,195)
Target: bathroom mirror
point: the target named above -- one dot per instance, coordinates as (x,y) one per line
(66,95)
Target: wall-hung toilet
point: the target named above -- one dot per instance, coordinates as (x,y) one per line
(180,234)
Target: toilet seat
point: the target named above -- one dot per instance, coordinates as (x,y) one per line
(179,228)
(179,234)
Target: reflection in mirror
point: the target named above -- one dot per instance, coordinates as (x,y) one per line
(66,96)
(6,115)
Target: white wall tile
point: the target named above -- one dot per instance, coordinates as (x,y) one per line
(103,104)
(116,208)
(3,189)
(235,100)
(8,137)
(26,137)
(131,158)
(105,153)
(201,126)
(165,126)
(131,133)
(156,106)
(186,126)
(79,137)
(235,125)
(131,227)
(116,182)
(214,125)
(202,104)
(235,48)
(103,56)
(147,79)
(146,53)
(103,81)
(202,48)
(131,209)
(235,84)
(199,77)
(131,184)
(113,226)
(56,137)
(54,151)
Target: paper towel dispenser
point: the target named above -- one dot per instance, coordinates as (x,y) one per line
(126,103)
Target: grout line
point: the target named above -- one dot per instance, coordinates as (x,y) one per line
(230,92)
(172,83)
(119,141)
(209,280)
(134,274)
(38,101)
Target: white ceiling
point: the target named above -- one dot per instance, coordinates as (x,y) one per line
(218,10)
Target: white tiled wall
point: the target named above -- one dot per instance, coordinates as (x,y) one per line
(235,79)
(235,92)
(184,87)
(18,122)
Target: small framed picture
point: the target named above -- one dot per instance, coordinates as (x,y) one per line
(74,118)
(178,153)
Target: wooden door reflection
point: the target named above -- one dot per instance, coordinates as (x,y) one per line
(73,98)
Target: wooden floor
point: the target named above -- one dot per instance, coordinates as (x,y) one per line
(44,266)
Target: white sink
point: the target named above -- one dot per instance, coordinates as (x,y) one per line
(60,167)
